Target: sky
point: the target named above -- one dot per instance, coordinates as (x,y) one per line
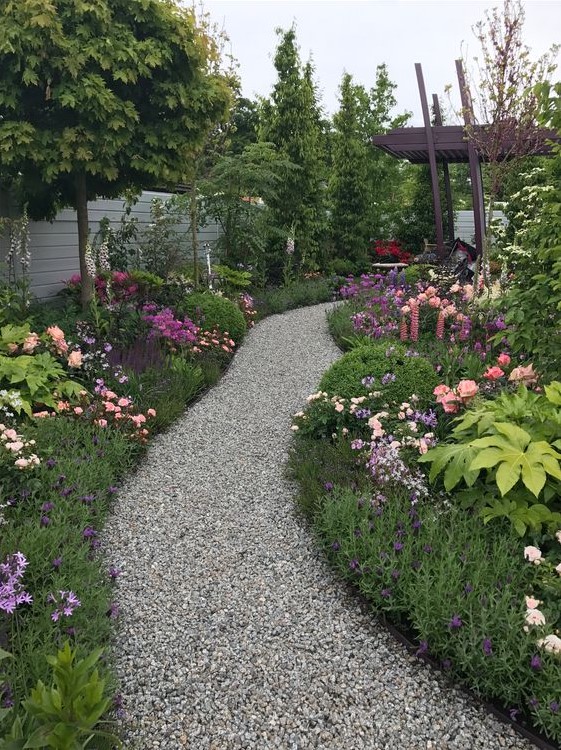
(355,36)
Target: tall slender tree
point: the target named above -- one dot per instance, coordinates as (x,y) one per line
(291,121)
(349,184)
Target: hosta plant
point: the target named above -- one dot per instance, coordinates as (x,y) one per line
(507,454)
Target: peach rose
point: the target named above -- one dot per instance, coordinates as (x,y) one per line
(75,359)
(30,343)
(449,403)
(56,333)
(467,389)
(525,375)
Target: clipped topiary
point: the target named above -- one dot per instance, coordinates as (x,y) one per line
(209,310)
(397,375)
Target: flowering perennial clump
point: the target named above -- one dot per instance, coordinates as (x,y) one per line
(183,333)
(12,593)
(66,603)
(17,447)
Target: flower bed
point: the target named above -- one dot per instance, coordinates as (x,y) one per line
(446,512)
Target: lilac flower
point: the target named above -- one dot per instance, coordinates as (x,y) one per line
(11,587)
(455,623)
(487,647)
(65,604)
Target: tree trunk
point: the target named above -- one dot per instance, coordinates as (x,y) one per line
(83,235)
(194,237)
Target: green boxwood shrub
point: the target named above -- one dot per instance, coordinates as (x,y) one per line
(417,272)
(209,310)
(412,374)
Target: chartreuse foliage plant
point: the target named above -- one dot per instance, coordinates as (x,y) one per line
(507,453)
(36,377)
(65,715)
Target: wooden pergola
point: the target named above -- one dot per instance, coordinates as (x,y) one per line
(446,144)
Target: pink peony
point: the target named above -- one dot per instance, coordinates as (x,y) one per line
(503,359)
(75,359)
(533,554)
(466,389)
(493,373)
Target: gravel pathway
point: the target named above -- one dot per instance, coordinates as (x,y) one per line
(234,633)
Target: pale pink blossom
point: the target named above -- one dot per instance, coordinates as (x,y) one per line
(10,434)
(78,410)
(532,603)
(449,403)
(551,643)
(339,407)
(535,617)
(22,463)
(493,373)
(533,554)
(151,412)
(466,389)
(525,375)
(101,422)
(30,343)
(15,447)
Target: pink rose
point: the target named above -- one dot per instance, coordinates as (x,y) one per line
(101,422)
(21,463)
(449,403)
(75,359)
(493,373)
(109,395)
(503,359)
(123,402)
(532,603)
(151,412)
(10,435)
(466,389)
(41,414)
(533,554)
(109,406)
(78,410)
(14,447)
(440,391)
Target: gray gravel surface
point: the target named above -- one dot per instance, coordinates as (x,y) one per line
(233,631)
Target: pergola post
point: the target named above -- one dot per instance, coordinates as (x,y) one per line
(432,161)
(474,162)
(447,188)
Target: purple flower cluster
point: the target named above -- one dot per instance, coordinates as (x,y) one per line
(386,467)
(167,326)
(65,604)
(11,587)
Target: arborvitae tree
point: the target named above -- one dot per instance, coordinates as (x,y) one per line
(349,184)
(291,121)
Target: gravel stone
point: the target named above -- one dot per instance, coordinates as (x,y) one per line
(234,633)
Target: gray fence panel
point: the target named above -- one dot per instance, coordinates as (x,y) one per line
(54,246)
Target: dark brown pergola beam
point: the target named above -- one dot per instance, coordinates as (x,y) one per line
(432,161)
(447,188)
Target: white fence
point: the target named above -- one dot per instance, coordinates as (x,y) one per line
(464,226)
(54,245)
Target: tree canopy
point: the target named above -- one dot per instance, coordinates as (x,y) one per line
(96,97)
